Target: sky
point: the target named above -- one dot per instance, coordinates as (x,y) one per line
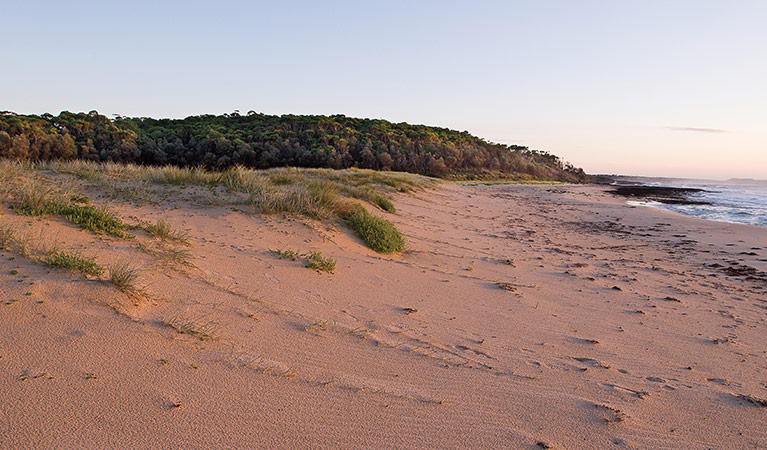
(657,88)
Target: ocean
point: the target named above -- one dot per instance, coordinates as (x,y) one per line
(735,203)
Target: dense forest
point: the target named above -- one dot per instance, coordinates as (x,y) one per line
(264,141)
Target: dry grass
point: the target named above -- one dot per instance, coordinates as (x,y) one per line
(315,193)
(7,236)
(308,192)
(164,230)
(35,198)
(123,276)
(193,327)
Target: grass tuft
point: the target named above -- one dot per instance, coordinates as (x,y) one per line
(314,193)
(164,230)
(73,261)
(378,233)
(385,204)
(286,254)
(123,276)
(34,199)
(7,236)
(100,220)
(193,327)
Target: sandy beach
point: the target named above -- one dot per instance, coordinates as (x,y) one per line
(519,316)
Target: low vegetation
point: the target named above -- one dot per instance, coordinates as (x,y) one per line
(74,261)
(164,230)
(314,193)
(378,233)
(124,276)
(292,255)
(36,199)
(314,259)
(197,328)
(7,234)
(100,220)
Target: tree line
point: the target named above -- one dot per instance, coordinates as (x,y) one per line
(263,141)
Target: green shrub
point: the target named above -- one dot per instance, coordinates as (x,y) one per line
(315,260)
(286,254)
(378,233)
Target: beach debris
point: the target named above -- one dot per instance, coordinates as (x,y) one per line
(507,287)
(740,270)
(616,288)
(638,394)
(724,340)
(543,444)
(760,402)
(671,299)
(409,311)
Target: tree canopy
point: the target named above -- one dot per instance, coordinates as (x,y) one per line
(263,141)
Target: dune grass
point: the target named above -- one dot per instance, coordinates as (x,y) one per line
(73,261)
(7,236)
(378,233)
(36,199)
(123,276)
(368,185)
(314,259)
(193,327)
(318,194)
(100,220)
(165,231)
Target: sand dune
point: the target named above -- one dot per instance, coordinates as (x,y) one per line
(518,317)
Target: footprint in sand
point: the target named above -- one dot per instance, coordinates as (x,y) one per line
(592,362)
(723,382)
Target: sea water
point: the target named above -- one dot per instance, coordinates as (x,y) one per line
(728,203)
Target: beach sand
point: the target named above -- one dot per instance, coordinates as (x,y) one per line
(519,316)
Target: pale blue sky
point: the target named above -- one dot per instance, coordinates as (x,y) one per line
(613,86)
